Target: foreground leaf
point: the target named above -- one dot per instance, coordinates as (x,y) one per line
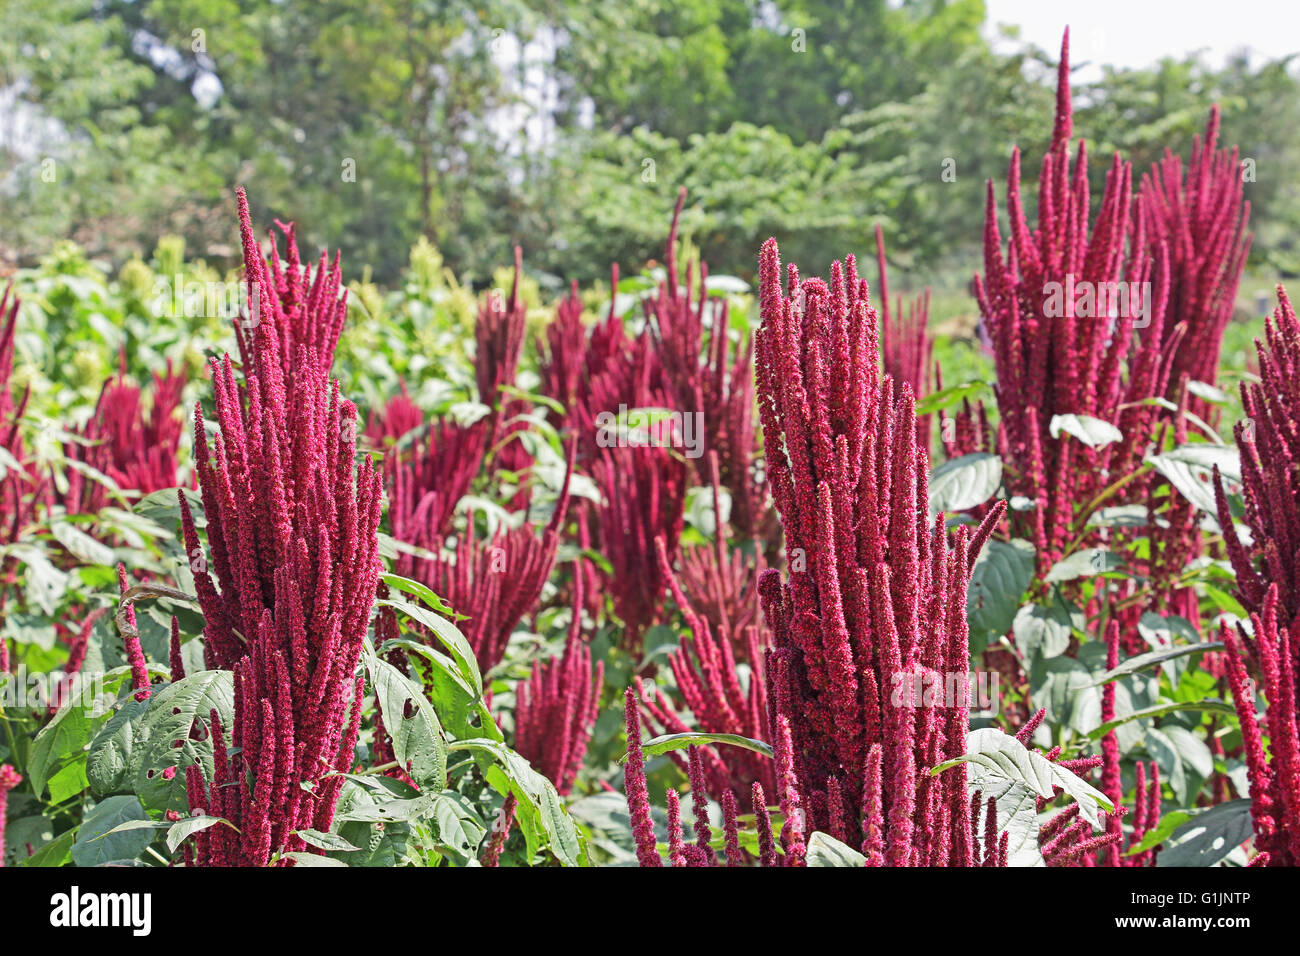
(1008,757)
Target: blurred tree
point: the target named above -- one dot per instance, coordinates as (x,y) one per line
(697,67)
(567,126)
(78,157)
(1144,112)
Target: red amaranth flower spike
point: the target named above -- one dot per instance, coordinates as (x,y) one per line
(1037,304)
(905,345)
(131,639)
(731,830)
(708,377)
(676,848)
(557,707)
(708,680)
(175,661)
(875,598)
(500,832)
(634,786)
(494,581)
(293,546)
(1275,781)
(1270,471)
(9,779)
(1201,218)
(305,308)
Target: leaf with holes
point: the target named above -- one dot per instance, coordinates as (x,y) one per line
(410,721)
(175,733)
(1208,837)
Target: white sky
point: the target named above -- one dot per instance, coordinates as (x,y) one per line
(1137,33)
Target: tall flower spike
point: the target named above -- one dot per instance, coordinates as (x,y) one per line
(1200,217)
(875,597)
(557,706)
(136,449)
(731,830)
(1041,315)
(16,501)
(1270,471)
(499,338)
(710,379)
(305,308)
(710,685)
(905,344)
(563,354)
(9,779)
(1110,775)
(494,581)
(131,638)
(1275,780)
(634,785)
(291,568)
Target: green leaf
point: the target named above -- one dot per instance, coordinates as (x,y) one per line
(1093,432)
(1170,820)
(1207,838)
(182,830)
(109,759)
(947,397)
(1002,573)
(81,545)
(162,507)
(1069,694)
(450,637)
(375,799)
(1189,469)
(1152,658)
(45,584)
(71,729)
(964,482)
(99,840)
(1215,396)
(68,782)
(667,742)
(1120,516)
(1009,758)
(458,822)
(1041,632)
(536,795)
(1085,563)
(312,859)
(411,722)
(55,853)
(453,699)
(415,588)
(1165,753)
(173,713)
(326,841)
(1159,710)
(825,850)
(1017,814)
(1162,633)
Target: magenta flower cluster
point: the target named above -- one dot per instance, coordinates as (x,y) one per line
(293,547)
